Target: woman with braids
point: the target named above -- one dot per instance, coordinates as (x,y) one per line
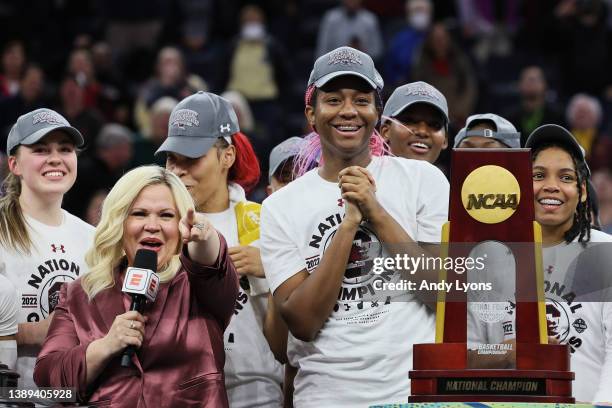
(563,209)
(217,164)
(41,245)
(570,245)
(320,236)
(565,219)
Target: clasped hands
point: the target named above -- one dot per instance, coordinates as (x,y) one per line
(358,190)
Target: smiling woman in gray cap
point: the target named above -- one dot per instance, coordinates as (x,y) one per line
(415,122)
(321,233)
(41,245)
(216,162)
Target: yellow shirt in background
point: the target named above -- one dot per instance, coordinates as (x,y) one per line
(251,73)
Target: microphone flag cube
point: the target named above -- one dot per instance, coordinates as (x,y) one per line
(139,281)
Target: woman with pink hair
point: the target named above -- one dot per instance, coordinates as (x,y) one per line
(321,234)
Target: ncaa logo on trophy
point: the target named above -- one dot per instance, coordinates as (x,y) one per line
(490,194)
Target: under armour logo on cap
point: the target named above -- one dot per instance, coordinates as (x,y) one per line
(224,128)
(49,117)
(344,56)
(184,117)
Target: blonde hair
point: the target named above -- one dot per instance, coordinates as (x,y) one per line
(13,227)
(107,252)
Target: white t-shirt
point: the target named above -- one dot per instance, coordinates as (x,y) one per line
(586,326)
(252,375)
(363,353)
(57,256)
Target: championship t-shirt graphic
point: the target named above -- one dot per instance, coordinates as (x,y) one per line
(357,295)
(41,293)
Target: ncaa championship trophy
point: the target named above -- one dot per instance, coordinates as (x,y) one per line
(491,201)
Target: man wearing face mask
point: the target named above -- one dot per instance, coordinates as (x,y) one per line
(419,14)
(258,69)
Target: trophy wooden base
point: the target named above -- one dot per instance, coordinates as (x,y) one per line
(542,375)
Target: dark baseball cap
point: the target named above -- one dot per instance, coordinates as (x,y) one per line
(415,92)
(504,132)
(197,122)
(33,126)
(345,61)
(283,151)
(551,133)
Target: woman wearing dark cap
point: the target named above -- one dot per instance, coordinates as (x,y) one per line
(321,233)
(562,207)
(576,263)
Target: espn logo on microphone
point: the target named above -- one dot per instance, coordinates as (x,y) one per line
(141,282)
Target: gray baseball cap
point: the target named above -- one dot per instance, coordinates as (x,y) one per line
(345,61)
(551,133)
(415,92)
(284,151)
(33,126)
(197,122)
(504,132)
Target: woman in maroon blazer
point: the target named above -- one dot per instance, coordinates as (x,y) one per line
(180,357)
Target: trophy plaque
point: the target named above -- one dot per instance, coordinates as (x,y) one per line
(491,200)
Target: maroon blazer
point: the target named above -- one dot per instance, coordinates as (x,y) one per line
(180,363)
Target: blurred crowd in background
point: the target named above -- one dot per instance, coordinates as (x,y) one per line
(115,69)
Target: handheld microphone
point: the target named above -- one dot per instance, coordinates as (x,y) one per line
(141,282)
